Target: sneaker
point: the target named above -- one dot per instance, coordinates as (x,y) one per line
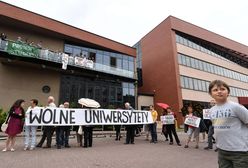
(12,149)
(25,148)
(171,143)
(207,148)
(196,146)
(179,144)
(5,150)
(32,148)
(186,146)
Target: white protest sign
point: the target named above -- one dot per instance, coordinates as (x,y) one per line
(206,114)
(192,121)
(167,119)
(68,116)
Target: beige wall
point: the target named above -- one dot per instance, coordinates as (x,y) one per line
(25,82)
(200,96)
(47,42)
(144,101)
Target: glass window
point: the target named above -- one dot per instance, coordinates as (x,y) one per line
(131,66)
(106,60)
(180,40)
(182,81)
(194,45)
(197,66)
(185,41)
(125,64)
(190,44)
(200,65)
(179,58)
(76,51)
(99,58)
(186,82)
(199,85)
(205,67)
(192,62)
(204,88)
(119,63)
(211,68)
(68,49)
(125,91)
(183,59)
(177,38)
(188,61)
(113,62)
(131,92)
(191,86)
(195,84)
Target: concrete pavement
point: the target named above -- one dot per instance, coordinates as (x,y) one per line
(108,153)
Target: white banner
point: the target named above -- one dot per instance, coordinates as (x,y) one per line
(167,119)
(192,121)
(68,116)
(206,114)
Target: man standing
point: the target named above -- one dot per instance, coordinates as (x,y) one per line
(129,128)
(48,130)
(153,126)
(64,132)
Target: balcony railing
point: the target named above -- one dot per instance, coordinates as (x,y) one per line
(25,50)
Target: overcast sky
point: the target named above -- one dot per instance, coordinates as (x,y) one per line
(127,21)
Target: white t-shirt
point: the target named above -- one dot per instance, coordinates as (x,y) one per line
(230,122)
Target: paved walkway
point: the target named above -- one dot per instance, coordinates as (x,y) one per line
(108,153)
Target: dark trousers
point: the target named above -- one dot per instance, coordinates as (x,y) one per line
(130,134)
(171,129)
(118,132)
(230,159)
(165,132)
(153,130)
(210,136)
(64,136)
(47,134)
(57,131)
(88,136)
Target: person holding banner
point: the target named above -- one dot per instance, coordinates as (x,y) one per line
(64,132)
(170,126)
(15,124)
(129,128)
(30,129)
(153,126)
(48,130)
(164,131)
(194,128)
(230,122)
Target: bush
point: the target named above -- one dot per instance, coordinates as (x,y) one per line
(3,116)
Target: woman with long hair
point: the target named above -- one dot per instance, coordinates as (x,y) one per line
(15,124)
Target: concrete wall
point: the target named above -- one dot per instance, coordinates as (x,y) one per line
(145,101)
(24,82)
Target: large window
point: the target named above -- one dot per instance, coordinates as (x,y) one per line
(202,85)
(211,68)
(208,49)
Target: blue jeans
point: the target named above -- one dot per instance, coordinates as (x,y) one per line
(30,132)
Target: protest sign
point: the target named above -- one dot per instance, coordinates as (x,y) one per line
(167,119)
(192,121)
(206,114)
(67,116)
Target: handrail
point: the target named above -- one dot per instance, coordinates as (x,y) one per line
(26,50)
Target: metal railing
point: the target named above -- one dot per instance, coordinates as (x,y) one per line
(12,47)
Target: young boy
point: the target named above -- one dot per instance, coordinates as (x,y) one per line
(230,122)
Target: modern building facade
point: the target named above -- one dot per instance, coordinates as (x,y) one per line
(177,60)
(43,57)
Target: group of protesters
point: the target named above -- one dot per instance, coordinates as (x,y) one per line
(230,124)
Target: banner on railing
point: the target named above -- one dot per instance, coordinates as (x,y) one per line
(167,119)
(21,49)
(68,116)
(192,121)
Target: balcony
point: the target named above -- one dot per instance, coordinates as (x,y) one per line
(24,50)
